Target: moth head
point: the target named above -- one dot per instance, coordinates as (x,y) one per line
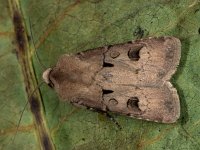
(46,77)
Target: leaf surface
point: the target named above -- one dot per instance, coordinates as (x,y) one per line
(59,27)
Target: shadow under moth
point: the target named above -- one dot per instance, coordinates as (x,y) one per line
(130,79)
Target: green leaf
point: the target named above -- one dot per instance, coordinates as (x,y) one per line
(72,26)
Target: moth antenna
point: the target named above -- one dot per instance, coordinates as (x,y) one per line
(18,124)
(35,50)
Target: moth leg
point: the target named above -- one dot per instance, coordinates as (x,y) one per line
(113,120)
(109,116)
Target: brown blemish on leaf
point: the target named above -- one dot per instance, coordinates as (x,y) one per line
(46,142)
(35,109)
(13,130)
(6,33)
(19,31)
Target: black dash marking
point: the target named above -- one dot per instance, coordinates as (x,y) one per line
(107,91)
(105,64)
(199,30)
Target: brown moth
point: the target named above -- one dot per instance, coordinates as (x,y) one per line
(130,79)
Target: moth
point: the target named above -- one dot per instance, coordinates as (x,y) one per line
(131,79)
